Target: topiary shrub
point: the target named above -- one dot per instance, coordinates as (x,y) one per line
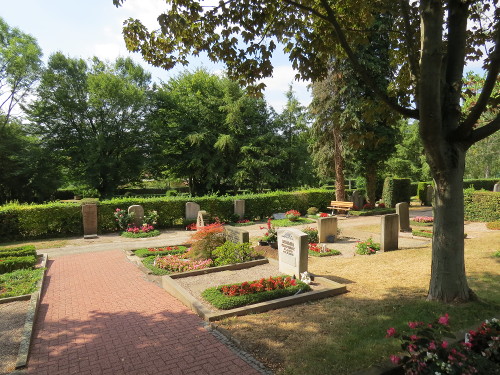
(481,205)
(396,190)
(421,187)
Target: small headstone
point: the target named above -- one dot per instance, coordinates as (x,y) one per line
(279,216)
(89,213)
(358,199)
(192,210)
(138,212)
(292,251)
(429,193)
(236,235)
(496,188)
(390,232)
(202,219)
(403,210)
(327,229)
(239,208)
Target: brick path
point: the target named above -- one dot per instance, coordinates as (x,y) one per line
(98,315)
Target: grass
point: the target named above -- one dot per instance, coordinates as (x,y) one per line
(42,244)
(345,333)
(19,282)
(422,233)
(287,223)
(375,211)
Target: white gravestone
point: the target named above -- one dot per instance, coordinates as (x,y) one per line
(292,251)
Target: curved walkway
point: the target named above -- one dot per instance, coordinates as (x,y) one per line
(99,315)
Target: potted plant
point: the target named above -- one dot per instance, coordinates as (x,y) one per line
(292,215)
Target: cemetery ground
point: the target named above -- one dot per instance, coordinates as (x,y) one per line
(345,333)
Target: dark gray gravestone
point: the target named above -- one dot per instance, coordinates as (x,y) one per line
(89,213)
(358,199)
(390,232)
(279,216)
(429,194)
(236,235)
(292,251)
(239,208)
(403,210)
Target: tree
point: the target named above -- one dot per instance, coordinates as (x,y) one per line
(20,64)
(430,44)
(93,118)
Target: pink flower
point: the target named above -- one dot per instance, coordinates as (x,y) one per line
(395,359)
(444,320)
(391,332)
(444,344)
(413,337)
(432,345)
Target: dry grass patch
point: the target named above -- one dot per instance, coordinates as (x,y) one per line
(41,244)
(345,333)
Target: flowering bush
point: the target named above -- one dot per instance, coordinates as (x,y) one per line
(323,214)
(381,205)
(312,234)
(191,226)
(429,353)
(206,240)
(257,286)
(485,341)
(423,219)
(123,218)
(242,221)
(292,215)
(144,229)
(271,234)
(367,247)
(151,217)
(174,263)
(314,247)
(368,206)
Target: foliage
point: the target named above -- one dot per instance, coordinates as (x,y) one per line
(20,282)
(422,233)
(159,251)
(18,251)
(271,234)
(175,263)
(375,211)
(92,116)
(493,225)
(123,218)
(396,190)
(231,253)
(225,302)
(312,234)
(9,264)
(289,223)
(480,183)
(312,210)
(421,191)
(151,217)
(292,215)
(149,263)
(485,341)
(205,240)
(481,205)
(316,251)
(142,232)
(367,247)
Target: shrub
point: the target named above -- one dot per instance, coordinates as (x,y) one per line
(225,302)
(312,234)
(159,251)
(231,253)
(396,190)
(312,210)
(10,264)
(271,234)
(478,184)
(496,254)
(495,225)
(20,282)
(481,205)
(206,240)
(151,217)
(367,247)
(292,215)
(17,251)
(123,218)
(421,187)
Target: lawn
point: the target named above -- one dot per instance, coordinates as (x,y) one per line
(346,333)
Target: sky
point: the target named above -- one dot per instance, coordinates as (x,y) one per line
(87,28)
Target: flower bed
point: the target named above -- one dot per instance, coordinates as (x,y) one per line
(422,221)
(422,233)
(316,251)
(173,264)
(367,247)
(231,296)
(159,251)
(288,223)
(292,215)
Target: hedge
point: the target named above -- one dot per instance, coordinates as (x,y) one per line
(481,205)
(10,264)
(17,251)
(396,190)
(65,219)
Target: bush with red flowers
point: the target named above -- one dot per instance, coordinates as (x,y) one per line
(292,215)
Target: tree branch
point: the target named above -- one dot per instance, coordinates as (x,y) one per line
(466,126)
(484,131)
(332,19)
(308,9)
(408,36)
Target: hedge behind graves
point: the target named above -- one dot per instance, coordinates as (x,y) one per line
(481,205)
(396,190)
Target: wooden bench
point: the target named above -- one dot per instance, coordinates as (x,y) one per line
(341,206)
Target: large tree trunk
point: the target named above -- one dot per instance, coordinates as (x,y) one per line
(339,165)
(371,185)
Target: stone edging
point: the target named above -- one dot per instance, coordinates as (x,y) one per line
(24,347)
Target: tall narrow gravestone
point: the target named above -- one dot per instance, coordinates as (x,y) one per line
(390,232)
(292,251)
(496,188)
(358,199)
(192,210)
(236,235)
(327,229)
(403,210)
(89,213)
(429,193)
(239,208)
(138,214)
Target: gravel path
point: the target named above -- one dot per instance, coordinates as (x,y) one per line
(13,316)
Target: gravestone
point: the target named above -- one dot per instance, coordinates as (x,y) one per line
(192,210)
(292,251)
(89,213)
(239,208)
(390,232)
(358,199)
(279,216)
(496,188)
(236,235)
(327,229)
(202,219)
(429,193)
(138,212)
(403,210)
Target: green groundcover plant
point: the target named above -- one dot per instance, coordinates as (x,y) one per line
(10,264)
(288,223)
(160,251)
(19,282)
(231,296)
(316,251)
(367,247)
(422,233)
(231,253)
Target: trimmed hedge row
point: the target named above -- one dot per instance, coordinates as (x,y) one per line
(65,219)
(17,251)
(396,190)
(481,205)
(10,264)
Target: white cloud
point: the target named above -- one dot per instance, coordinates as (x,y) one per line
(277,86)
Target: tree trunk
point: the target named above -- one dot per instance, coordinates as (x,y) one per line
(448,280)
(339,165)
(371,185)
